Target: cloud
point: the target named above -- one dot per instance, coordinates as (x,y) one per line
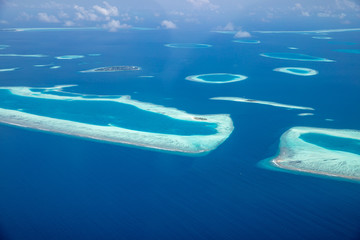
(203,4)
(228,27)
(242,34)
(168,24)
(108,11)
(83,14)
(44,17)
(69,23)
(114,25)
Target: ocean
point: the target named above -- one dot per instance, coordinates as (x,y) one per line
(60,187)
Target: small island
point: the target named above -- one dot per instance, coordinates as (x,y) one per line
(113,69)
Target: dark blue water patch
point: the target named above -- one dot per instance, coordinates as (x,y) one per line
(105,113)
(332,142)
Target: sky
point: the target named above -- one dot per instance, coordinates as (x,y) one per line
(180,14)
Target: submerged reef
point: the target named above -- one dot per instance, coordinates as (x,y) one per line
(216,78)
(188,45)
(113,69)
(319,151)
(113,119)
(315,31)
(247,41)
(297,71)
(295,56)
(274,104)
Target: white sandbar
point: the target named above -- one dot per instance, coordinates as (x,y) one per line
(179,144)
(297,155)
(200,78)
(297,71)
(23,55)
(8,69)
(66,57)
(274,104)
(305,114)
(55,67)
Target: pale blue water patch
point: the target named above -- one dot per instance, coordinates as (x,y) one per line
(342,43)
(104,113)
(247,41)
(3,47)
(356,51)
(188,45)
(94,54)
(295,56)
(216,78)
(332,142)
(23,55)
(66,57)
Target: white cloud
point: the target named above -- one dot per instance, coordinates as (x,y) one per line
(69,23)
(83,14)
(44,17)
(114,25)
(108,11)
(242,34)
(228,27)
(168,24)
(203,4)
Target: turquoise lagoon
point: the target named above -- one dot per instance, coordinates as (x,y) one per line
(295,56)
(333,153)
(114,119)
(297,71)
(188,45)
(216,78)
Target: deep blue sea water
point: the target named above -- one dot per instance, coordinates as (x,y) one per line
(56,187)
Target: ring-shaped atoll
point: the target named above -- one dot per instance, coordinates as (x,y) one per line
(188,45)
(297,71)
(295,56)
(246,41)
(68,57)
(318,151)
(113,119)
(216,78)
